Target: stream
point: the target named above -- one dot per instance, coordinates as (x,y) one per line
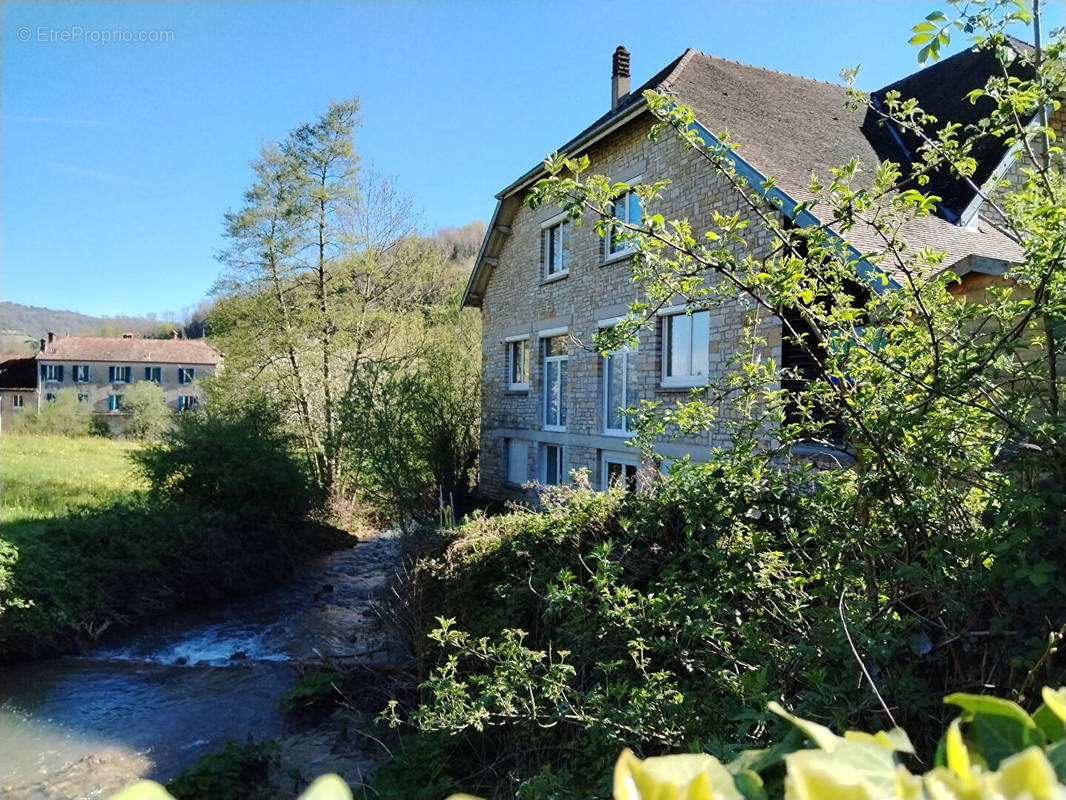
(150,700)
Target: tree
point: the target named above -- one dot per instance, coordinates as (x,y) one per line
(65,415)
(146,405)
(325,280)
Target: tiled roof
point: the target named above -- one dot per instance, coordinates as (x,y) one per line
(18,371)
(788,127)
(155,351)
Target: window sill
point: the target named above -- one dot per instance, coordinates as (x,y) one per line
(554,428)
(618,434)
(553,278)
(687,386)
(621,255)
(517,388)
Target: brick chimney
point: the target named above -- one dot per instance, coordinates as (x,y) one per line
(51,337)
(619,76)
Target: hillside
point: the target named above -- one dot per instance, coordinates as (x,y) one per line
(22,326)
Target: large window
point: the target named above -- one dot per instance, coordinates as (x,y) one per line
(153,374)
(518,364)
(627,208)
(552,465)
(52,372)
(517,461)
(17,401)
(556,243)
(686,343)
(619,391)
(186,375)
(619,470)
(115,401)
(81,373)
(119,374)
(187,402)
(555,358)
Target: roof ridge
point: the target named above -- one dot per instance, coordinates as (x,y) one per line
(769,69)
(682,62)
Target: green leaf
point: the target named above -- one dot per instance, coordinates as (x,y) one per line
(819,734)
(920,38)
(328,787)
(999,738)
(142,790)
(923,26)
(991,706)
(1049,723)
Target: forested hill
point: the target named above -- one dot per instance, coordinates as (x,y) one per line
(21,327)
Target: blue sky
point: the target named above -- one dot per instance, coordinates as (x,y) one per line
(120,158)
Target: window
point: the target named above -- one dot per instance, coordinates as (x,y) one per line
(619,391)
(619,470)
(119,374)
(50,397)
(518,364)
(686,342)
(82,397)
(555,358)
(81,373)
(517,461)
(17,401)
(627,208)
(555,245)
(52,372)
(187,402)
(552,465)
(153,374)
(115,401)
(186,375)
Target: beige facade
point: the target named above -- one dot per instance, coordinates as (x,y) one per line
(521,304)
(545,291)
(102,370)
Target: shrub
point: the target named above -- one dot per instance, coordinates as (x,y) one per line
(237,772)
(148,413)
(63,416)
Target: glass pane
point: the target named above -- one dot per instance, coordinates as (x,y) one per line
(679,333)
(631,478)
(551,393)
(634,209)
(614,473)
(700,342)
(564,245)
(551,454)
(615,388)
(562,392)
(555,346)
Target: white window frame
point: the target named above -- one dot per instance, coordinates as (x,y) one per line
(623,459)
(511,341)
(558,361)
(123,373)
(688,380)
(81,373)
(153,370)
(517,454)
(52,372)
(115,401)
(628,352)
(186,375)
(626,248)
(559,223)
(187,402)
(542,464)
(18,402)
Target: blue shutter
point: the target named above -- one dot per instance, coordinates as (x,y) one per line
(110,376)
(59,376)
(44,371)
(111,400)
(148,373)
(181,402)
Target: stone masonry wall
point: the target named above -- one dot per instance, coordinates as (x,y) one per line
(518,302)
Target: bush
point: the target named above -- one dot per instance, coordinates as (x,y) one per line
(237,772)
(147,408)
(233,461)
(63,416)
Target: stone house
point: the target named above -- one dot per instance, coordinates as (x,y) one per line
(101,369)
(544,286)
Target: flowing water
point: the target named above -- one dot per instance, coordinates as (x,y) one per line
(148,702)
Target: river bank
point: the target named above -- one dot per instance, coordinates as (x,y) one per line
(151,700)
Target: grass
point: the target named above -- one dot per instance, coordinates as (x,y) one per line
(43,477)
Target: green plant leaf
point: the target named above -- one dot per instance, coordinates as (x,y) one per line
(143,790)
(981,704)
(819,734)
(327,787)
(1049,723)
